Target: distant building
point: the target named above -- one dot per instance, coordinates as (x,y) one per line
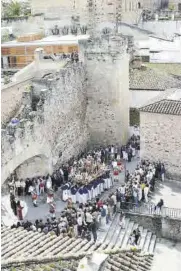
(160,131)
(18,54)
(86,10)
(149,81)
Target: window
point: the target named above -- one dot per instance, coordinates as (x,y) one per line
(139,5)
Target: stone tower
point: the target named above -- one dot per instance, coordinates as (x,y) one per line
(107,65)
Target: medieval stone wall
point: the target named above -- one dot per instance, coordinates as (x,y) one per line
(108,94)
(58,126)
(160,140)
(11,96)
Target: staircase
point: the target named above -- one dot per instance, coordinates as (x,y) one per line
(116,237)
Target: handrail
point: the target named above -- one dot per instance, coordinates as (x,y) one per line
(149,209)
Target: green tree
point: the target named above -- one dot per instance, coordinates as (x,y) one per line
(13,9)
(171,7)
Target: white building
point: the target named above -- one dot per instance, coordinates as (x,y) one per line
(160,131)
(159,50)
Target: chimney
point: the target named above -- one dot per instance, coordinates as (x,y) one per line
(38,56)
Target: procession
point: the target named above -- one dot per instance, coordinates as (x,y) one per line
(81,184)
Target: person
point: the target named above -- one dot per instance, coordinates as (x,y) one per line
(34,199)
(159,205)
(79,224)
(146,190)
(162,172)
(13,204)
(132,238)
(19,210)
(52,209)
(113,197)
(94,229)
(137,236)
(42,186)
(122,220)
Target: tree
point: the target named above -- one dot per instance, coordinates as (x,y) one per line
(171,7)
(12,9)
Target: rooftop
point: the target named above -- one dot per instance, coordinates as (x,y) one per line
(169,103)
(170,68)
(68,39)
(146,78)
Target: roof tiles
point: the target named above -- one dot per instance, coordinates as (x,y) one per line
(163,107)
(151,79)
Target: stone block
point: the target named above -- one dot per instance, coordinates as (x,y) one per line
(27,98)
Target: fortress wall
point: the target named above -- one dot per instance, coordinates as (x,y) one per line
(59,126)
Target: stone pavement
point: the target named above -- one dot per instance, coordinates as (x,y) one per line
(167,256)
(42,211)
(170,192)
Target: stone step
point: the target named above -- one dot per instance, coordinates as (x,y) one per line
(147,242)
(152,244)
(115,235)
(143,239)
(105,236)
(122,234)
(128,232)
(113,232)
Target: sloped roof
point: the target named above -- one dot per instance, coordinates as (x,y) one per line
(125,260)
(164,107)
(61,265)
(168,102)
(26,250)
(150,79)
(128,261)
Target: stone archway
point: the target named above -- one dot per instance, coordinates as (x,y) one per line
(33,167)
(25,157)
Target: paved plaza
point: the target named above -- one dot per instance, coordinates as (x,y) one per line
(167,256)
(170,192)
(42,211)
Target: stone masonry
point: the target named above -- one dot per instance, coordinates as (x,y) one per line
(108,91)
(160,140)
(85,103)
(57,126)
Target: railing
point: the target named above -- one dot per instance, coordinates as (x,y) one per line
(151,209)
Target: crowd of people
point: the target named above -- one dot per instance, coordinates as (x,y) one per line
(81,221)
(82,181)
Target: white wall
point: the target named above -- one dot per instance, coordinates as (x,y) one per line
(166,28)
(141,97)
(164,51)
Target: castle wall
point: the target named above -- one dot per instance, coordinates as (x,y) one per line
(160,139)
(58,127)
(11,96)
(108,98)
